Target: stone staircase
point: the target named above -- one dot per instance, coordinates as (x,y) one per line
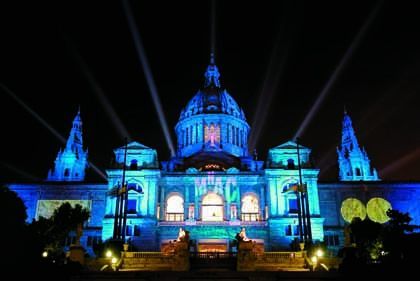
(146,261)
(275,264)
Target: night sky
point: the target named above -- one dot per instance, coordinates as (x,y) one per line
(44,45)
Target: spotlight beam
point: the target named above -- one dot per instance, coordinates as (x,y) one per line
(100,94)
(213,27)
(271,81)
(334,77)
(46,125)
(34,114)
(148,73)
(19,171)
(404,160)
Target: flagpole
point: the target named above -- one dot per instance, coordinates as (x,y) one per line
(124,195)
(301,193)
(305,199)
(116,216)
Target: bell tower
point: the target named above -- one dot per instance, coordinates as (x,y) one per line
(71,162)
(353,161)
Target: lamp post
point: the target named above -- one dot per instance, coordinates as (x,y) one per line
(304,196)
(121,202)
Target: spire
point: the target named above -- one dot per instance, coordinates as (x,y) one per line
(71,162)
(212,74)
(354,163)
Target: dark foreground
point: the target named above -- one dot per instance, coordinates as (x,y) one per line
(209,276)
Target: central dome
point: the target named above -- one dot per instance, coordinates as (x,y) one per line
(212,98)
(212,124)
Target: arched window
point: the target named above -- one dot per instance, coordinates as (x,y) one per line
(67,172)
(212,134)
(290,164)
(212,207)
(133,164)
(358,172)
(250,208)
(175,208)
(135,186)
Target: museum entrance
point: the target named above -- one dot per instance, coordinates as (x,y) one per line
(212,207)
(212,246)
(213,253)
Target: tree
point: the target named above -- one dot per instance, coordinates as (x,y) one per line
(13,218)
(365,234)
(52,232)
(395,232)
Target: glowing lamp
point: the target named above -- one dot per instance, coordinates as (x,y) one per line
(314,259)
(114,260)
(108,254)
(319,253)
(44,254)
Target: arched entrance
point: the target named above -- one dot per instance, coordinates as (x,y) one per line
(212,207)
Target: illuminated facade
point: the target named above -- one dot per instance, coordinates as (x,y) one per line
(353,162)
(71,163)
(213,187)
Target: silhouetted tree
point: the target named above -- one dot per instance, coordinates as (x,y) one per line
(395,233)
(52,232)
(12,233)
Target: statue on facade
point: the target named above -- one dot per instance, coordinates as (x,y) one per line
(183,235)
(241,236)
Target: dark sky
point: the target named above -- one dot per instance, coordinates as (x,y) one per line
(304,41)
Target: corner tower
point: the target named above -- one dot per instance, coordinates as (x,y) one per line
(353,162)
(71,162)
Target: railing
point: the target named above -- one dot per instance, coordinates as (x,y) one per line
(250,217)
(218,223)
(174,216)
(283,255)
(280,257)
(212,255)
(145,255)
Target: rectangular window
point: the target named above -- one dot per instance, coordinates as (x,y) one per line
(129,230)
(136,230)
(292,230)
(295,230)
(288,230)
(132,206)
(293,206)
(332,240)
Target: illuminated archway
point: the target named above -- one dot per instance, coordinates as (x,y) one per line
(175,208)
(377,208)
(250,208)
(212,207)
(351,208)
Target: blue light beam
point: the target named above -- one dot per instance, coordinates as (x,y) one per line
(213,27)
(149,77)
(19,172)
(46,125)
(334,77)
(100,94)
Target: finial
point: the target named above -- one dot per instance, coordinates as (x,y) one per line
(212,58)
(345,110)
(78,111)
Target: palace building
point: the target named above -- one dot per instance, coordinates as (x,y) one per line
(213,186)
